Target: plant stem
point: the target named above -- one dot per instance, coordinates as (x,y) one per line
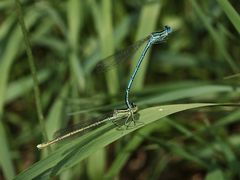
(32,68)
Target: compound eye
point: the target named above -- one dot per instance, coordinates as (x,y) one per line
(168,29)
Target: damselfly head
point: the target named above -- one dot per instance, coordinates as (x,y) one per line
(158,37)
(168,29)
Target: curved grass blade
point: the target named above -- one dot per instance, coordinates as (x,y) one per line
(113,60)
(80,148)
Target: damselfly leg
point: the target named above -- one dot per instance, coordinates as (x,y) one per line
(128,114)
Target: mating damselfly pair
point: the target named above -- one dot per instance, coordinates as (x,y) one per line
(131,108)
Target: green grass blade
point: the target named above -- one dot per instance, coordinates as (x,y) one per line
(215,35)
(232,15)
(200,91)
(215,174)
(5,154)
(78,149)
(32,66)
(53,119)
(22,86)
(179,151)
(126,152)
(103,18)
(7,59)
(96,164)
(74,14)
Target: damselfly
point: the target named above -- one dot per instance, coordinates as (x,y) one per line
(116,116)
(154,38)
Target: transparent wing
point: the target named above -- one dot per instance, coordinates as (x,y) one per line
(92,124)
(80,125)
(113,60)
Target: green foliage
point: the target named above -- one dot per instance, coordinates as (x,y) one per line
(197,64)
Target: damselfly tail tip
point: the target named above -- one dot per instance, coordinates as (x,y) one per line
(39,146)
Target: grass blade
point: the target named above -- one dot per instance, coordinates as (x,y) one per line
(78,149)
(215,35)
(75,25)
(232,15)
(126,152)
(103,18)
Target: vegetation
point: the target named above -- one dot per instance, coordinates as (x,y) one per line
(187,89)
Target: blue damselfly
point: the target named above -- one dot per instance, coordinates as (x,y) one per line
(107,63)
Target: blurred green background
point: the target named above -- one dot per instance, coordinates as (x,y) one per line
(198,63)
